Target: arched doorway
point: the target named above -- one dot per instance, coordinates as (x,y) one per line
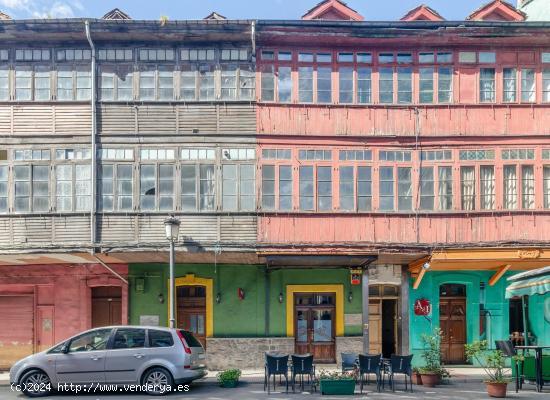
(452,322)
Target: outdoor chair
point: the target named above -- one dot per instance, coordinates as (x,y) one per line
(507,348)
(399,365)
(369,364)
(275,365)
(303,365)
(349,361)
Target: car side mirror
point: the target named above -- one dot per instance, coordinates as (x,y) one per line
(65,348)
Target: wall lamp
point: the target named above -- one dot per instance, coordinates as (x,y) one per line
(161,298)
(350,296)
(218,298)
(281,298)
(426,266)
(240,293)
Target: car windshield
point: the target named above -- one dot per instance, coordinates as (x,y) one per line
(190,339)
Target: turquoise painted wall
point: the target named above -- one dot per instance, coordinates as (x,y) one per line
(539,318)
(234,317)
(495,303)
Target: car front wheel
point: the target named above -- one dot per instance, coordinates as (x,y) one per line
(36,383)
(157,381)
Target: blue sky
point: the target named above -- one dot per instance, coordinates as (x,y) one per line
(234,9)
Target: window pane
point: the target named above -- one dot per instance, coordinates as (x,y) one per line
(189,187)
(247,83)
(125,187)
(284,83)
(510,200)
(23,84)
(188,85)
(305,84)
(427,188)
(426,85)
(42,84)
(285,187)
(148,189)
(347,188)
(83,187)
(324,85)
(306,188)
(364,85)
(527,187)
(487,85)
(546,186)
(386,85)
(129,338)
(207,187)
(64,187)
(467,184)
(229,82)
(509,84)
(346,85)
(528,85)
(247,186)
(106,188)
(445,85)
(166,187)
(40,188)
(4,83)
(125,84)
(404,85)
(268,83)
(445,184)
(404,189)
(229,187)
(268,187)
(487,187)
(324,188)
(64,84)
(386,188)
(206,83)
(147,85)
(166,84)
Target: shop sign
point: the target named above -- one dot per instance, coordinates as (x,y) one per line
(422,307)
(355,276)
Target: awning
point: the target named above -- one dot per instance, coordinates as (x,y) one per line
(529,283)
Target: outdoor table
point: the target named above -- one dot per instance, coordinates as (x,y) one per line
(538,363)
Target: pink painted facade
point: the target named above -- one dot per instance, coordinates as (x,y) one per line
(503,126)
(50,303)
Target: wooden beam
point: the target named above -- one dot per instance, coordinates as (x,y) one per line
(497,275)
(419,278)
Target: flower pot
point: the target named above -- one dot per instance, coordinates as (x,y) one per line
(337,386)
(496,389)
(429,379)
(229,384)
(416,378)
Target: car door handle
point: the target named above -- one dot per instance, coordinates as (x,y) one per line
(95,358)
(139,355)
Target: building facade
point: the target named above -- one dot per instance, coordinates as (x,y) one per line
(343,185)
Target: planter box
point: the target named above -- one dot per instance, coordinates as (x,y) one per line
(229,384)
(416,378)
(343,386)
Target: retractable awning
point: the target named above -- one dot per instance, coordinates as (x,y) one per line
(529,283)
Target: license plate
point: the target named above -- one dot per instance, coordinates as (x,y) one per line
(201,357)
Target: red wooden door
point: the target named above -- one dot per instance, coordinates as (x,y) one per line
(191,308)
(106,306)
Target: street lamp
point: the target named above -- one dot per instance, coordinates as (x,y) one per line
(172,228)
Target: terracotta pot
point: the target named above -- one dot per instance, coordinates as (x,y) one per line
(429,380)
(416,378)
(495,389)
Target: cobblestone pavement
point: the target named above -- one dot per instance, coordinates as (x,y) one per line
(251,391)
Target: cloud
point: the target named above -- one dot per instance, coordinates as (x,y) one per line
(41,8)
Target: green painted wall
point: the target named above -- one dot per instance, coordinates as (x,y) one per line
(495,303)
(539,318)
(234,317)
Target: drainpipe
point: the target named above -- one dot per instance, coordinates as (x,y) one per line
(93,140)
(253,37)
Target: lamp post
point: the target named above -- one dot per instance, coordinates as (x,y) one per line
(172,228)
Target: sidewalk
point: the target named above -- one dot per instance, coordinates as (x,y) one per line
(458,375)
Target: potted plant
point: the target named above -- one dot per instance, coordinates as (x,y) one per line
(431,372)
(416,377)
(334,383)
(493,363)
(229,378)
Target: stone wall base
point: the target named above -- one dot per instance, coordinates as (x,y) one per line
(244,353)
(249,353)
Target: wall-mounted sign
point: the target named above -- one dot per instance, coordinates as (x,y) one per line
(355,276)
(422,307)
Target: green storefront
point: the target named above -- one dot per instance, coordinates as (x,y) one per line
(242,311)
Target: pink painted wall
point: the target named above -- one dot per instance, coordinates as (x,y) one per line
(62,293)
(402,228)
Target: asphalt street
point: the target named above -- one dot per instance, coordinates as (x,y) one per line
(251,391)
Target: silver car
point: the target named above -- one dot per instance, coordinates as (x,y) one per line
(101,359)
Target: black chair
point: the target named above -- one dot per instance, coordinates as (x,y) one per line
(303,365)
(399,365)
(369,364)
(349,361)
(275,365)
(507,348)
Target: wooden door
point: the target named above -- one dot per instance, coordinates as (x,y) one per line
(106,306)
(314,326)
(45,331)
(452,320)
(375,326)
(191,311)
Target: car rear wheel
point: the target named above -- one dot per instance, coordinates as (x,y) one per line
(36,383)
(157,381)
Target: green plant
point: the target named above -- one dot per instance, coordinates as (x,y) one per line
(492,361)
(163,20)
(228,376)
(432,353)
(338,376)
